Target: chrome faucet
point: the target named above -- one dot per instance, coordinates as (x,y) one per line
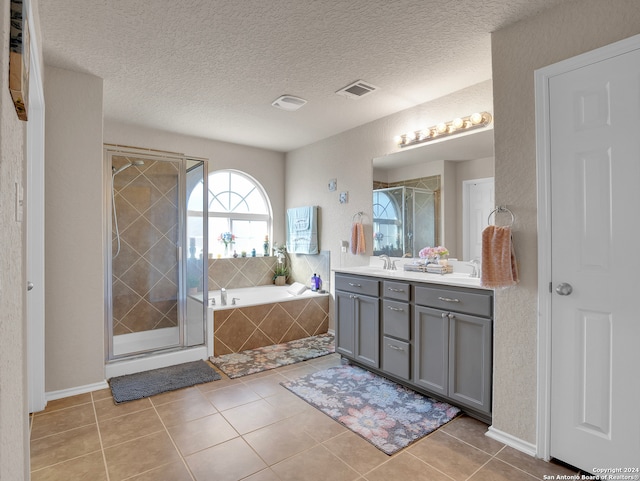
(233,300)
(475,264)
(223,296)
(387,261)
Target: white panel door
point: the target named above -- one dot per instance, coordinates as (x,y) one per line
(594,128)
(478,204)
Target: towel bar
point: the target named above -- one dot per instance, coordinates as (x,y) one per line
(498,210)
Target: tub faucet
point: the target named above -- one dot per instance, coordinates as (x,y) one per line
(233,300)
(223,296)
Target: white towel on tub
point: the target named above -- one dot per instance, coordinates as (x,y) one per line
(302,230)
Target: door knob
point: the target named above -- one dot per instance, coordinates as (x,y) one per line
(564,289)
(29,285)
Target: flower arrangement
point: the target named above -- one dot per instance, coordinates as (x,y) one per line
(428,252)
(378,236)
(227,238)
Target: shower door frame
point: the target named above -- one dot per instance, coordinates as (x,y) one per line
(111,150)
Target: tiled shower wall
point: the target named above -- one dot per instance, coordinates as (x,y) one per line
(145,275)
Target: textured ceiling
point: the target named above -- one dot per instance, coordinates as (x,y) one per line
(211,68)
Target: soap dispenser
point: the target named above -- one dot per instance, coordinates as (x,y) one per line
(314,282)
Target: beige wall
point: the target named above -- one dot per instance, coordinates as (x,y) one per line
(14,439)
(518,50)
(74,219)
(266,166)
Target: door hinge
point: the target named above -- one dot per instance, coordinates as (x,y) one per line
(550,287)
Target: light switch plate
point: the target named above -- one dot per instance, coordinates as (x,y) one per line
(344,197)
(332,185)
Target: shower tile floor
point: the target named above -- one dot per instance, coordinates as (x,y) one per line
(253,429)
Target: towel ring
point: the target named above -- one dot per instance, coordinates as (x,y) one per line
(358,215)
(501,209)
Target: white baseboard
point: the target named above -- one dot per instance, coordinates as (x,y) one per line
(53,395)
(512,441)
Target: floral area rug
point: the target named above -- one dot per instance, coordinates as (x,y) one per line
(270,357)
(386,414)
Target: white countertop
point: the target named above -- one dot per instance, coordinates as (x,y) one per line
(459,279)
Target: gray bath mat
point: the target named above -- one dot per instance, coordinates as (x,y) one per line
(148,383)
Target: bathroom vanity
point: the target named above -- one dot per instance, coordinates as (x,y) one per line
(430,332)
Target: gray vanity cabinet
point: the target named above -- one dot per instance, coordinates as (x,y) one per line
(432,337)
(431,349)
(358,319)
(396,329)
(453,350)
(470,361)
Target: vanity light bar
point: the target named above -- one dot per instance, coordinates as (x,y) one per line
(443,129)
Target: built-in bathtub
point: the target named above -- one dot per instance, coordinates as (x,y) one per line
(266,315)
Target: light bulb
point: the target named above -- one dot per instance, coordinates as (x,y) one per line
(476,118)
(441,128)
(458,123)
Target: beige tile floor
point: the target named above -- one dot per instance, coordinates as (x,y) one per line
(253,429)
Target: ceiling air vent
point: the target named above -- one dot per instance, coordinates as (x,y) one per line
(357,90)
(288,102)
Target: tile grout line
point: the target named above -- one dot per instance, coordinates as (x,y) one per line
(104,456)
(166,430)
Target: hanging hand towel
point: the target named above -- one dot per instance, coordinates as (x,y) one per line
(358,244)
(499,268)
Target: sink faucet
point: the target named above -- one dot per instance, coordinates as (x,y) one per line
(386,260)
(223,296)
(475,263)
(233,300)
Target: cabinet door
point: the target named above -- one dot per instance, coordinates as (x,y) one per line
(345,324)
(431,349)
(367,348)
(470,361)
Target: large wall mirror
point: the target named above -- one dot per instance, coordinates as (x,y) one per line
(419,196)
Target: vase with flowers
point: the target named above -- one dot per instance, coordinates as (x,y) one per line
(434,255)
(227,238)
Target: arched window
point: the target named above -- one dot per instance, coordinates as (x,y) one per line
(238,206)
(387,217)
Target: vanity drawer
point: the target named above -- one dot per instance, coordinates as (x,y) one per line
(396,290)
(396,358)
(358,285)
(465,301)
(396,319)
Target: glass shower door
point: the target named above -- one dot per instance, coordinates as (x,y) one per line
(196,264)
(145,268)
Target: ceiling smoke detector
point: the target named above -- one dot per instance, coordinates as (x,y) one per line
(288,103)
(357,90)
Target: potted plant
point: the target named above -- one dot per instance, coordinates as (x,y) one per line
(280,274)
